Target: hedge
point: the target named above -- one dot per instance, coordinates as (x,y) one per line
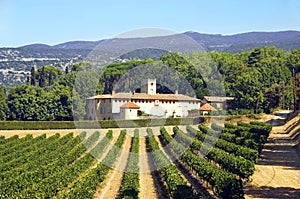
(103,124)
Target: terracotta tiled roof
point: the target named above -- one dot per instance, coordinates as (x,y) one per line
(145,96)
(100,97)
(130,105)
(206,107)
(217,98)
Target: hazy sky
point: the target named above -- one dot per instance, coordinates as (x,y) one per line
(55,21)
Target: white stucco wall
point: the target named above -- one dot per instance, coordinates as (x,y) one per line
(128,114)
(181,108)
(116,104)
(159,109)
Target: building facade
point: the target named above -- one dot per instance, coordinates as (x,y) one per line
(127,105)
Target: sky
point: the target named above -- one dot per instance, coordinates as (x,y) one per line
(51,22)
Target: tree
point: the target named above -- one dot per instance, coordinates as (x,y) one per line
(59,103)
(42,78)
(188,72)
(3,104)
(46,75)
(254,57)
(67,70)
(32,76)
(80,66)
(25,103)
(253,77)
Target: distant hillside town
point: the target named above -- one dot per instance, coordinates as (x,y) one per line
(15,63)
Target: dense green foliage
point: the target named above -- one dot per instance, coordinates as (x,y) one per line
(224,183)
(229,162)
(176,185)
(41,125)
(130,184)
(41,167)
(229,147)
(23,173)
(259,80)
(3,104)
(85,187)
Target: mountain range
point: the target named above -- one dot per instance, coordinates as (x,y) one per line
(15,63)
(286,40)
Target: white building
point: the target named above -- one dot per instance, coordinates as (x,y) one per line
(128,105)
(129,111)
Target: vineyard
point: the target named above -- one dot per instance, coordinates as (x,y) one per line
(180,162)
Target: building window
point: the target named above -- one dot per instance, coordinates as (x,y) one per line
(101,110)
(119,100)
(108,109)
(116,100)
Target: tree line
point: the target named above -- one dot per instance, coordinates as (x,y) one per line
(260,80)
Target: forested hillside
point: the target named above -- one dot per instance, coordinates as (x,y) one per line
(15,63)
(260,80)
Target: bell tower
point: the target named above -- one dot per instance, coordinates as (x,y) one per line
(149,86)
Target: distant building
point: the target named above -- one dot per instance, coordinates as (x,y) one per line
(127,105)
(205,109)
(216,101)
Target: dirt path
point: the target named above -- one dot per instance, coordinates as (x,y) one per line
(277,173)
(147,184)
(50,132)
(110,187)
